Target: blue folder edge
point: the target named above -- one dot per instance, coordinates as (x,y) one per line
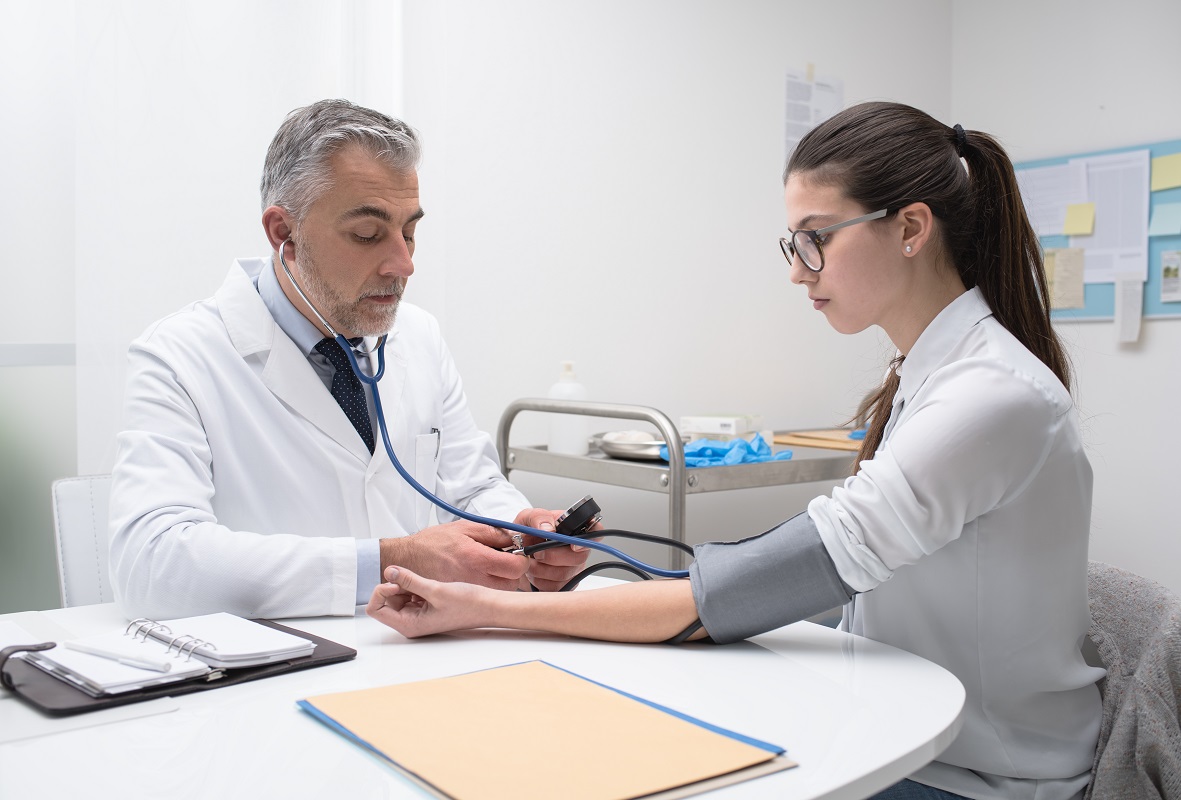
(770,748)
(343,731)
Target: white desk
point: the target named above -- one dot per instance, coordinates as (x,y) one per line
(856,715)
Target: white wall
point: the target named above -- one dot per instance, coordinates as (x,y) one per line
(132,145)
(37,433)
(177,104)
(602,183)
(1057,77)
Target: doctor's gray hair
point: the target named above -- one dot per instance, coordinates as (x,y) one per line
(297,170)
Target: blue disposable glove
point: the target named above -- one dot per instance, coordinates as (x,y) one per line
(714,453)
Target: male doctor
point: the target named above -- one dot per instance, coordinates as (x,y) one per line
(249,478)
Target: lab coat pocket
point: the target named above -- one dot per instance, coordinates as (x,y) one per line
(426,460)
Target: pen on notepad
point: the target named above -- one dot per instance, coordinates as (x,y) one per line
(156,665)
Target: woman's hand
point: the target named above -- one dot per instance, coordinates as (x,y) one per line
(417,606)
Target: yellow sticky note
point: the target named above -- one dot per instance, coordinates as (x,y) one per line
(1166,172)
(1080,219)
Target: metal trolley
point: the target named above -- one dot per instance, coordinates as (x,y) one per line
(807,464)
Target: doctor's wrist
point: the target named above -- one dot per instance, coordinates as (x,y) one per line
(398,551)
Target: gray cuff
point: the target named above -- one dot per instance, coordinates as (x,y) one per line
(755,585)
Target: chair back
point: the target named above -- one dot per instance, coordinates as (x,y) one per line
(1136,628)
(80,530)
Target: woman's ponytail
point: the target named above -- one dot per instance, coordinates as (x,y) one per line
(1004,257)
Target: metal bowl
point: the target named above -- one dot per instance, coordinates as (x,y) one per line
(644,450)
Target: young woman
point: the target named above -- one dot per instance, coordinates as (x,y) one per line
(963,535)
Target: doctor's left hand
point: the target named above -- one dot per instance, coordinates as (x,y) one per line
(550,570)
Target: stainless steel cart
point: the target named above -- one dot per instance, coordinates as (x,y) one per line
(807,464)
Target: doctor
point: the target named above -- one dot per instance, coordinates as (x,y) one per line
(247,478)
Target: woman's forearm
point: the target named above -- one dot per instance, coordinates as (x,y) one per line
(644,611)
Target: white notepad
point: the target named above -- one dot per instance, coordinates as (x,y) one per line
(224,640)
(190,647)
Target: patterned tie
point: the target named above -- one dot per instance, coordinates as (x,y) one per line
(347,389)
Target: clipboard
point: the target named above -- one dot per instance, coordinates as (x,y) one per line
(835,439)
(57,698)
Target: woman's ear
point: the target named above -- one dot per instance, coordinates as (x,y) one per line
(278,225)
(917,227)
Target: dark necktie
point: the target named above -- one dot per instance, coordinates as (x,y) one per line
(347,389)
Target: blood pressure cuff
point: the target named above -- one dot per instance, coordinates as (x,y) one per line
(758,584)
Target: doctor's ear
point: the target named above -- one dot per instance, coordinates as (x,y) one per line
(279,226)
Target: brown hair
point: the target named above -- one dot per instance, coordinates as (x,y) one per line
(888,155)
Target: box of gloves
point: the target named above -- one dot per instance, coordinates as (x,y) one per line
(721,426)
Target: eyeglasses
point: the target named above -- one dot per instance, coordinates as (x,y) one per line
(807,243)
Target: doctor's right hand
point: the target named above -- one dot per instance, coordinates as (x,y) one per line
(458,551)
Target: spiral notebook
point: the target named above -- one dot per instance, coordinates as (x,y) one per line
(178,649)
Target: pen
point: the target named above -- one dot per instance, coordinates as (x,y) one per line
(156,665)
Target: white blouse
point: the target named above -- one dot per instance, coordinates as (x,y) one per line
(967,533)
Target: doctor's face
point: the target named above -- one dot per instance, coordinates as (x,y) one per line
(354,249)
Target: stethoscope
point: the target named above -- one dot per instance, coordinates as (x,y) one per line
(554,538)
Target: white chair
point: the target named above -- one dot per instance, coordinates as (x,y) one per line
(80,533)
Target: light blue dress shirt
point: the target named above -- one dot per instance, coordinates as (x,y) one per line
(306,336)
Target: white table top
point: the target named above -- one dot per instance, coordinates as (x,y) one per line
(856,715)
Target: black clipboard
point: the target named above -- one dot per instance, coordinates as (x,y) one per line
(57,698)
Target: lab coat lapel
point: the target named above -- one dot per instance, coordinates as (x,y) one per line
(286,372)
(289,375)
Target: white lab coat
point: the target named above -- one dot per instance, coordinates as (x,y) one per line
(240,485)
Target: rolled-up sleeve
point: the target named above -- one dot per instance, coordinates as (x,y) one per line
(968,443)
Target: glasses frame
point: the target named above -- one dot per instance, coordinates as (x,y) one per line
(788,246)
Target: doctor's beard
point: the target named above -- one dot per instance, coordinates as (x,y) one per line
(344,313)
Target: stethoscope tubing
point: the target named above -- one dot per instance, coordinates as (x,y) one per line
(481,520)
(372,380)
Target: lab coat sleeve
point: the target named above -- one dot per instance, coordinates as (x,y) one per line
(970,443)
(469,475)
(169,555)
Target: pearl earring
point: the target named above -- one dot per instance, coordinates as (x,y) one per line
(908,248)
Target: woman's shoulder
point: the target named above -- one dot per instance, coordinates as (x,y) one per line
(991,361)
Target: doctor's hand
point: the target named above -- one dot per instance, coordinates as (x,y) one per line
(457,551)
(551,569)
(416,606)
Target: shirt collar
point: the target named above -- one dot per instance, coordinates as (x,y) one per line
(939,338)
(297,327)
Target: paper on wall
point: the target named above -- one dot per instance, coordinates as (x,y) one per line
(1166,220)
(1118,186)
(1080,219)
(1064,270)
(1048,191)
(1170,277)
(1166,172)
(810,101)
(1129,307)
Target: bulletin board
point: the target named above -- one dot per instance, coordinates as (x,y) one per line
(1099,298)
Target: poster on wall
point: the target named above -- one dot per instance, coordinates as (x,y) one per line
(810,101)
